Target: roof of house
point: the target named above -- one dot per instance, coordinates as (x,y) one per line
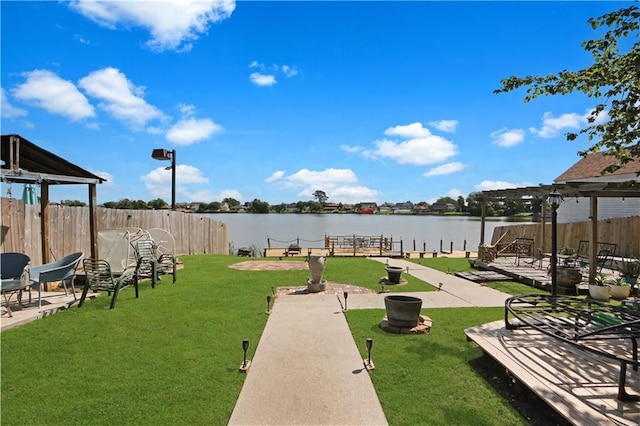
(591,167)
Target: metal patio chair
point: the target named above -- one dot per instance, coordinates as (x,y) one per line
(147,265)
(14,270)
(62,270)
(165,246)
(100,278)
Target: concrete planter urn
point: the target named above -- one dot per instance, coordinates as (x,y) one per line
(620,292)
(599,292)
(393,274)
(568,277)
(403,311)
(316,267)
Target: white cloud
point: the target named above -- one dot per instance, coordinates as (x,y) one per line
(289,71)
(53,94)
(229,193)
(7,110)
(487,185)
(445,125)
(420,148)
(275,176)
(351,194)
(267,75)
(351,149)
(120,97)
(455,193)
(507,138)
(110,179)
(341,185)
(552,126)
(262,79)
(207,196)
(324,178)
(186,110)
(173,24)
(445,169)
(158,181)
(413,130)
(192,130)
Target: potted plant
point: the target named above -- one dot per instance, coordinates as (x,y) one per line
(599,289)
(618,288)
(630,270)
(567,251)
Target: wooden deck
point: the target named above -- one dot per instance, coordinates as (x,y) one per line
(532,272)
(579,385)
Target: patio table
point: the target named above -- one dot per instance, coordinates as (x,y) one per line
(10,287)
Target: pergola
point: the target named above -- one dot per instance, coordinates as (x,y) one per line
(606,187)
(24,162)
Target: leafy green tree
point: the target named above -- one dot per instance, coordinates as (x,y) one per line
(214,206)
(613,79)
(446,200)
(474,204)
(140,205)
(231,202)
(315,207)
(125,203)
(157,204)
(110,205)
(258,206)
(73,203)
(321,196)
(460,206)
(280,208)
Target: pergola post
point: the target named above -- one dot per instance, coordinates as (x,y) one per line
(44,222)
(593,245)
(483,217)
(93,227)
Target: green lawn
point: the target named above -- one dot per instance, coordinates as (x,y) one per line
(172,356)
(427,379)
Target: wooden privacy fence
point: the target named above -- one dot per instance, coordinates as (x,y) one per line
(69,229)
(622,231)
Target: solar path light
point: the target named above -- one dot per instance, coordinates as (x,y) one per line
(367,362)
(246,363)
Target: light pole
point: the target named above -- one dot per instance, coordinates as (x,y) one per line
(163,154)
(554,199)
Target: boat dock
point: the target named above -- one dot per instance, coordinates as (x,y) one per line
(360,246)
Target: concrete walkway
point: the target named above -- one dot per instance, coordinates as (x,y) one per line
(307,368)
(455,292)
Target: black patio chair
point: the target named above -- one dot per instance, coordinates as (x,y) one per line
(100,278)
(14,269)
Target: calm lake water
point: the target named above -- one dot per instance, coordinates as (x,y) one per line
(246,230)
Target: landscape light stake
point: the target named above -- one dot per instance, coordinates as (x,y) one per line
(345,294)
(268,303)
(368,364)
(245,362)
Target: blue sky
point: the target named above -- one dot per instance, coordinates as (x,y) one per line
(367,101)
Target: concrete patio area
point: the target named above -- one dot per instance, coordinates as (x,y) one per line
(52,302)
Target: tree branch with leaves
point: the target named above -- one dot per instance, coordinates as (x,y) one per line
(613,79)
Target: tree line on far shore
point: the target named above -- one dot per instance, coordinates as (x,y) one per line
(444,205)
